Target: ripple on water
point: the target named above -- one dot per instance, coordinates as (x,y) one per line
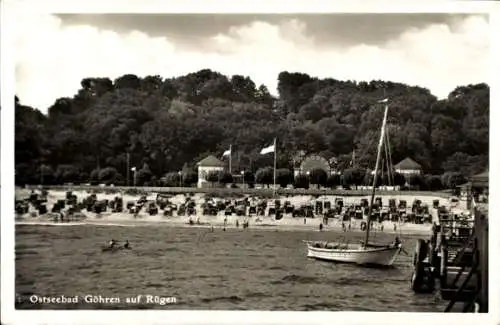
(231,299)
(265,270)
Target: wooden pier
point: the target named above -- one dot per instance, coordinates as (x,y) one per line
(456,256)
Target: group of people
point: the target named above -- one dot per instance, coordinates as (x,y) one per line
(112,244)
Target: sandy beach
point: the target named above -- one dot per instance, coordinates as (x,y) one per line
(262,222)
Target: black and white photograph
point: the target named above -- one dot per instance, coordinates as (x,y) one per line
(205,161)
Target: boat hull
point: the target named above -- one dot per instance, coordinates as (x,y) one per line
(383,256)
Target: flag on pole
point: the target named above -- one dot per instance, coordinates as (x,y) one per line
(227,152)
(385,100)
(267,150)
(132,169)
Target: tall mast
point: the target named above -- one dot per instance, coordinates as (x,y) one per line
(274,170)
(230,157)
(381,141)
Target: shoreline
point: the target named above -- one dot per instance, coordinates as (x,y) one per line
(287,223)
(405,230)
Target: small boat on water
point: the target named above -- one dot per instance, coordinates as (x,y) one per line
(364,253)
(372,254)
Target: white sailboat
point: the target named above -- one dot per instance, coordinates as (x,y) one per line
(365,252)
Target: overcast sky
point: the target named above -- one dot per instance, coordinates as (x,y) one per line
(437,51)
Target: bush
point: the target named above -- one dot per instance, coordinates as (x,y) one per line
(399,179)
(333,181)
(66,174)
(353,176)
(318,177)
(108,176)
(249,177)
(416,181)
(225,177)
(189,177)
(143,175)
(264,176)
(283,177)
(301,181)
(171,179)
(452,179)
(433,183)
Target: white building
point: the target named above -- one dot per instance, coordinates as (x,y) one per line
(312,162)
(408,167)
(206,166)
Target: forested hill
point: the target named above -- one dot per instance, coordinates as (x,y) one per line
(168,124)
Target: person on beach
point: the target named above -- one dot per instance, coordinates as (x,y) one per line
(349,226)
(382,227)
(112,243)
(237,224)
(305,220)
(395,227)
(320,227)
(396,241)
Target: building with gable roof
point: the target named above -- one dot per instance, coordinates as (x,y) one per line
(312,162)
(477,187)
(408,167)
(207,165)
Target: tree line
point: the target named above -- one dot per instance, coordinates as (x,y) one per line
(163,126)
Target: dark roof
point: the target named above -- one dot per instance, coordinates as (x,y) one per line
(408,163)
(465,185)
(210,161)
(480,179)
(484,176)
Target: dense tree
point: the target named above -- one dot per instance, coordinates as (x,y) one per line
(453,179)
(416,181)
(66,174)
(189,177)
(159,125)
(354,176)
(333,181)
(225,177)
(109,175)
(433,183)
(284,177)
(171,179)
(248,177)
(318,177)
(264,176)
(301,181)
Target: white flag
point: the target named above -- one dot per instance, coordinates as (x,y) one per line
(226,153)
(385,100)
(267,149)
(132,169)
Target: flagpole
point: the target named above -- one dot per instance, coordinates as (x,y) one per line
(230,155)
(274,175)
(128,168)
